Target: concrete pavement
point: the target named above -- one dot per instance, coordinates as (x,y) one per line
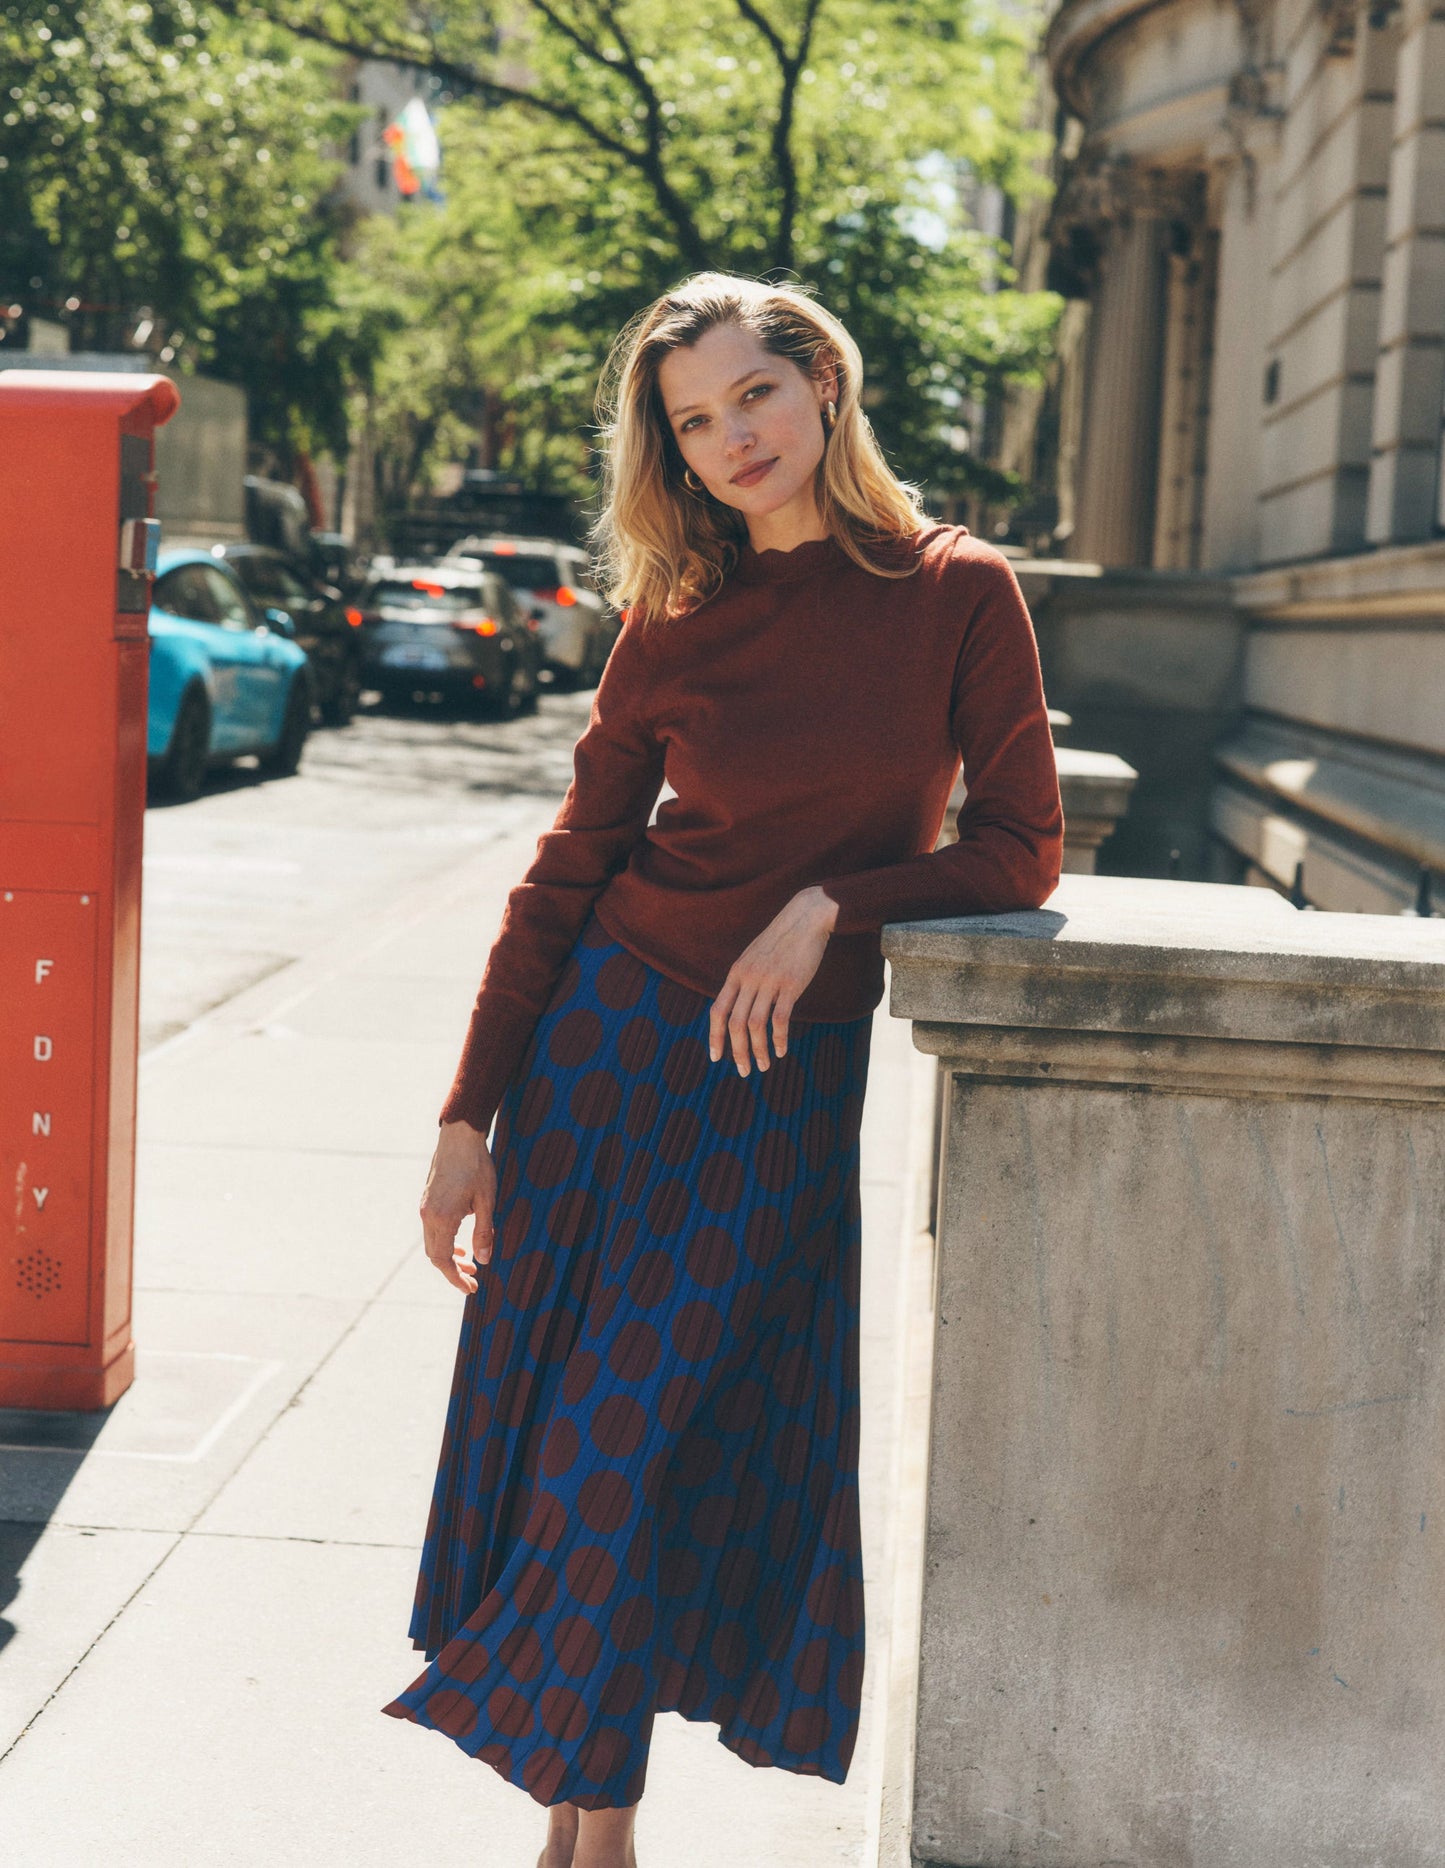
(214,1579)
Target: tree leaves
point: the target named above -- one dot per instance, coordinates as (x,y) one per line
(891,112)
(180,154)
(158,156)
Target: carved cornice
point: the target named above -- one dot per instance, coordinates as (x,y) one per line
(1255,93)
(1341,21)
(1101,191)
(1252,120)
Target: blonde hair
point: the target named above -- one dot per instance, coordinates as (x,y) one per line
(663,549)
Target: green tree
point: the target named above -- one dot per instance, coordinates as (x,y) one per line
(156,155)
(598,149)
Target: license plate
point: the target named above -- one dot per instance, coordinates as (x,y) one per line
(413,658)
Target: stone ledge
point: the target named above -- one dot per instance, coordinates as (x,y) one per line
(1098,783)
(1115,954)
(1206,1066)
(1393,799)
(1338,873)
(1399,581)
(1096,586)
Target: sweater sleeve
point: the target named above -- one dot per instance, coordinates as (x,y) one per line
(1011,824)
(617,775)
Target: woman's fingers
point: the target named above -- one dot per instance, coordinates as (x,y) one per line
(453,1257)
(462,1181)
(742,1019)
(767,979)
(464,1266)
(717,1022)
(782,1012)
(739,1032)
(439,1234)
(758,1018)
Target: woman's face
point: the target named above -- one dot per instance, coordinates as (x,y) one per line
(748,423)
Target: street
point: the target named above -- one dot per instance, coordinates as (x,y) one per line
(257,871)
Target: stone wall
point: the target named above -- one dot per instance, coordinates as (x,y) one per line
(1286,728)
(1257,214)
(1335,778)
(1148,666)
(1184,1590)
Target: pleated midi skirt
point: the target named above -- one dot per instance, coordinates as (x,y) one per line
(647,1495)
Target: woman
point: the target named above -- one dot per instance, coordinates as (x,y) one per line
(647,1494)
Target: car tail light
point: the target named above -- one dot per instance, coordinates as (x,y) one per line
(431,590)
(477,621)
(566,596)
(355,618)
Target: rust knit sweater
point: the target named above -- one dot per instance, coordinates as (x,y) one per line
(810,718)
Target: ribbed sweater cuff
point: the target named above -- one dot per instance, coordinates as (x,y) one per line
(496,1042)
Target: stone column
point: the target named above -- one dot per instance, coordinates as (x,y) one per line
(1184,410)
(1120,451)
(1095,788)
(1404,499)
(1231,518)
(1184,1597)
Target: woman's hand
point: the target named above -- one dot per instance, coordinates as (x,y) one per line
(766,980)
(461,1180)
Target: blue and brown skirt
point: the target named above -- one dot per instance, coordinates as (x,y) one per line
(647,1496)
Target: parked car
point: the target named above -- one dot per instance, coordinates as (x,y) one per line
(331,558)
(452,629)
(327,628)
(224,679)
(553,583)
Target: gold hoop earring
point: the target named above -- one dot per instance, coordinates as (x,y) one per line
(691,481)
(830,415)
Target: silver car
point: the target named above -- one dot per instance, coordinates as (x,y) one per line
(451,629)
(554,585)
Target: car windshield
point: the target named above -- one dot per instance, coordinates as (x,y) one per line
(264,577)
(419,593)
(521,571)
(184,592)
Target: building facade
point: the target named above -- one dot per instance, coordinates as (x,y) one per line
(1252,209)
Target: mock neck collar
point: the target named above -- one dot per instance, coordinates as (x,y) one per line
(786,567)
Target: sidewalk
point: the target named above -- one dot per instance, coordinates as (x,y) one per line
(214,1586)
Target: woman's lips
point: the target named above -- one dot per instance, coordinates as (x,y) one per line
(750,476)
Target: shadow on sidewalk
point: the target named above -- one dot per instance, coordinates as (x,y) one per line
(31,1489)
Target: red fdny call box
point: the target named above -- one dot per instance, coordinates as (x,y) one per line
(77,548)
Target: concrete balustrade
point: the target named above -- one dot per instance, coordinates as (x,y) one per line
(1184,1578)
(1095,788)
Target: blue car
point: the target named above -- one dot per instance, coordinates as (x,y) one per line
(225,678)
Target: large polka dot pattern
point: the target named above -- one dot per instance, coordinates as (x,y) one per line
(647,1493)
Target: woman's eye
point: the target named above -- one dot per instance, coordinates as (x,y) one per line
(758,389)
(688,423)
